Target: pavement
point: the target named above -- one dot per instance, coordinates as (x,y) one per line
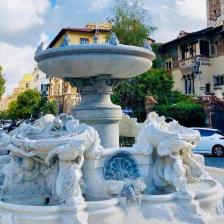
(214,161)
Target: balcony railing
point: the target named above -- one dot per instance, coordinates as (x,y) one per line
(190,62)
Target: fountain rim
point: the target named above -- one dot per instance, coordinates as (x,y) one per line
(200,196)
(95,49)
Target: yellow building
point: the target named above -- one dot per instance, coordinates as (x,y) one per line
(60,91)
(82,35)
(25,83)
(4,103)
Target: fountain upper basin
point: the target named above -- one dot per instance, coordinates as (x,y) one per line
(83,61)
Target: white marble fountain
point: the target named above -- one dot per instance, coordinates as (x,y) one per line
(70,169)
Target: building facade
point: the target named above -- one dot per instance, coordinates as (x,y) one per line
(195,60)
(24,84)
(215,12)
(40,82)
(63,93)
(196,63)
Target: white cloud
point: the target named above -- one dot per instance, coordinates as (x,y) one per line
(16,61)
(98,5)
(192,9)
(18,15)
(172,16)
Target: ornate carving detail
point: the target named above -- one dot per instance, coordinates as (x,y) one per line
(147,45)
(214,9)
(47,158)
(175,164)
(113,39)
(66,40)
(120,167)
(39,48)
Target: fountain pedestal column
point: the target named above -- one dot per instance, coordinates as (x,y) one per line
(97,110)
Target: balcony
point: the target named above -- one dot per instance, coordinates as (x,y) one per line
(190,62)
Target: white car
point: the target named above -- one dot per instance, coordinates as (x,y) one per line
(212,142)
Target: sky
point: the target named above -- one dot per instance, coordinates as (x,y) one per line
(26,23)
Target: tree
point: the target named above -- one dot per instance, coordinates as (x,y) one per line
(50,107)
(12,110)
(26,105)
(30,104)
(2,83)
(129,22)
(188,114)
(155,82)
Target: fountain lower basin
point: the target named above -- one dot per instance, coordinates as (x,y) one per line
(111,210)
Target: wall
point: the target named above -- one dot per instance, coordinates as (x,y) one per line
(206,76)
(75,37)
(219,20)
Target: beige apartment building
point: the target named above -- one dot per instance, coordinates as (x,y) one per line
(196,63)
(23,85)
(196,60)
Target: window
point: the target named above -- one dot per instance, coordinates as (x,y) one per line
(189,83)
(184,51)
(168,65)
(193,49)
(204,48)
(84,40)
(205,133)
(27,85)
(207,88)
(218,80)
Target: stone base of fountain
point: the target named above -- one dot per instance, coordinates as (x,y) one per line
(122,185)
(28,214)
(149,209)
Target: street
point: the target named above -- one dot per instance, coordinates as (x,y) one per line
(214,161)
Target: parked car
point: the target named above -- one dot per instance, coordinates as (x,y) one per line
(212,142)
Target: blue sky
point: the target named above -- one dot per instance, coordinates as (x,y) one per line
(25,23)
(53,3)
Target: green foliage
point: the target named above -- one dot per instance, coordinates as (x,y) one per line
(158,83)
(159,61)
(50,107)
(132,93)
(2,83)
(30,104)
(11,112)
(130,23)
(188,114)
(3,115)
